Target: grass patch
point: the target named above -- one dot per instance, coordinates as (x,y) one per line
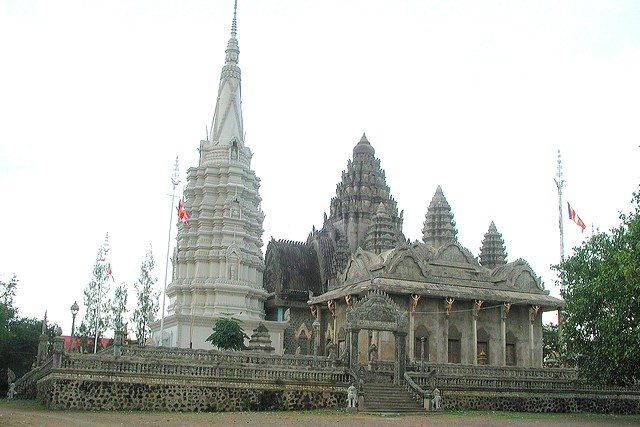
(35,406)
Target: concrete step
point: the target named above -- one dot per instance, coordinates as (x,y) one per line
(383,397)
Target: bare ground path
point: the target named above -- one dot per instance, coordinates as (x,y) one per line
(29,413)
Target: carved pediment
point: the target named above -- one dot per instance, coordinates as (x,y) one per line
(409,262)
(359,265)
(456,253)
(519,274)
(355,271)
(527,281)
(379,312)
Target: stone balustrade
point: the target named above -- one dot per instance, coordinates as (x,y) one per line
(449,369)
(187,369)
(226,357)
(474,377)
(26,385)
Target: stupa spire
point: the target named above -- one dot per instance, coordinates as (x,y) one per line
(439,226)
(227,126)
(492,252)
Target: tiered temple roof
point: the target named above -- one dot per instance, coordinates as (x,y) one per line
(362,188)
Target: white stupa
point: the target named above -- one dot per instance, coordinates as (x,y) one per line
(218,262)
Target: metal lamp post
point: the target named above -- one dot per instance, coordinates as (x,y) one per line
(74,310)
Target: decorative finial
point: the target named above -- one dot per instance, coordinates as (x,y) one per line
(234,25)
(175,180)
(559,177)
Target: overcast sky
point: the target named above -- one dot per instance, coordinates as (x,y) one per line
(97,99)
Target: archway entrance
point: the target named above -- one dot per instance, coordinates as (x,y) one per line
(377,312)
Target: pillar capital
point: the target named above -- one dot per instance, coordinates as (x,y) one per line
(448,305)
(477,305)
(331,306)
(533,311)
(506,306)
(414,302)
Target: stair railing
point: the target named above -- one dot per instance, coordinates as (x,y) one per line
(423,397)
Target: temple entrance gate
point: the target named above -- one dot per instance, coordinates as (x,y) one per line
(378,312)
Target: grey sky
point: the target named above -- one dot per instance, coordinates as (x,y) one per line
(97,98)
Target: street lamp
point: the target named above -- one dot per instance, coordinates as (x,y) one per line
(74,310)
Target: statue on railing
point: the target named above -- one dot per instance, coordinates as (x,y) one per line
(11,394)
(435,401)
(332,350)
(373,353)
(352,398)
(11,377)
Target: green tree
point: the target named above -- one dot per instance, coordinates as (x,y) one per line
(119,306)
(97,305)
(147,300)
(7,307)
(550,342)
(601,319)
(227,334)
(18,336)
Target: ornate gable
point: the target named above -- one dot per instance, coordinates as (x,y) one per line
(455,253)
(359,266)
(379,312)
(408,262)
(520,275)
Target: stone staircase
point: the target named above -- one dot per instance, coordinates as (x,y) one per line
(381,395)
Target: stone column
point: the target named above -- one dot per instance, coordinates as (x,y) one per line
(316,337)
(533,312)
(58,351)
(401,357)
(506,306)
(474,327)
(422,353)
(448,305)
(353,350)
(412,332)
(117,343)
(413,304)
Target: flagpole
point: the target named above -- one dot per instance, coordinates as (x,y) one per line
(560,185)
(104,258)
(174,181)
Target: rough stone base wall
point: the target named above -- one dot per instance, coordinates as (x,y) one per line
(92,395)
(539,402)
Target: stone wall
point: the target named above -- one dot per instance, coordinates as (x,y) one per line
(61,393)
(540,402)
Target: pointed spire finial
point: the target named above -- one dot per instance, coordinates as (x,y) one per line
(234,25)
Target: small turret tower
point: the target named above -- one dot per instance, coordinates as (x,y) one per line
(492,252)
(439,226)
(382,234)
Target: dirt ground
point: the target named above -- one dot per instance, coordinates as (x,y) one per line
(29,413)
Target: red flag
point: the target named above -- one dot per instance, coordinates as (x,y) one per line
(110,272)
(573,216)
(183,214)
